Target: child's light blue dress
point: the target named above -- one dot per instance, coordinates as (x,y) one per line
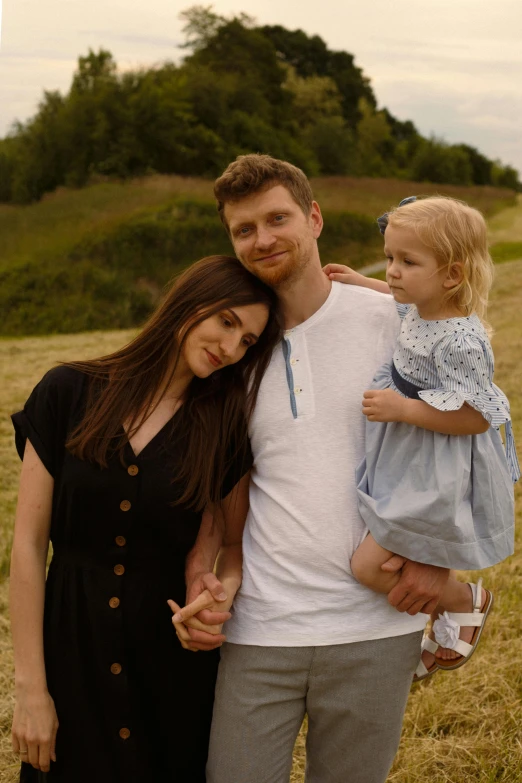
(446,500)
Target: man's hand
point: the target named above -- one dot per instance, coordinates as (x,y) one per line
(383,405)
(200,636)
(419,588)
(218,595)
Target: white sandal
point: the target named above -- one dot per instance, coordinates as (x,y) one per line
(421,672)
(447,628)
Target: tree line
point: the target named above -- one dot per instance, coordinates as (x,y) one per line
(241,88)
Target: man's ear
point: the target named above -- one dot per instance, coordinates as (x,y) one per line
(454,275)
(317,219)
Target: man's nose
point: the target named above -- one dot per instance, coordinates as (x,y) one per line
(264,238)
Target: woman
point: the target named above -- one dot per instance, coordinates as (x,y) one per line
(120,456)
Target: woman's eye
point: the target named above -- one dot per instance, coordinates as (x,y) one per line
(226,321)
(408,263)
(247,343)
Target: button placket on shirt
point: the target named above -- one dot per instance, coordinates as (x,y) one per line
(116,666)
(302,387)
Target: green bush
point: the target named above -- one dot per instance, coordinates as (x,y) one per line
(114,278)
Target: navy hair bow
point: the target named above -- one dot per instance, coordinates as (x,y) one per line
(382,221)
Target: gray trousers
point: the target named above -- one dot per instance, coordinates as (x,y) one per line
(354,694)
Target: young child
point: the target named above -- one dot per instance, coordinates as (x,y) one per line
(436,485)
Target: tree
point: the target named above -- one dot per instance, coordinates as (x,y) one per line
(436,161)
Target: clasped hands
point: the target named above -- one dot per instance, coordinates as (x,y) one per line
(199,624)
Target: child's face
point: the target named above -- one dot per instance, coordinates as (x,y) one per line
(413,273)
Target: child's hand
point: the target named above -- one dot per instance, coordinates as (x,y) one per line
(343,274)
(383,405)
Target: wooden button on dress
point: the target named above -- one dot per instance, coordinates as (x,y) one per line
(114,602)
(124,733)
(120,540)
(133,470)
(125,505)
(116,668)
(119,569)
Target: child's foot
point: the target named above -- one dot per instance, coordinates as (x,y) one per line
(458,631)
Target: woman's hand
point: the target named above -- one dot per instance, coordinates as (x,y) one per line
(383,405)
(208,637)
(35,724)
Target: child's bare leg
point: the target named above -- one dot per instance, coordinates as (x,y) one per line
(366,566)
(456,597)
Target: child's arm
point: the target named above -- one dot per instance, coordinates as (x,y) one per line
(343,274)
(389,405)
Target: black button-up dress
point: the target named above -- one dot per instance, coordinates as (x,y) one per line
(132,704)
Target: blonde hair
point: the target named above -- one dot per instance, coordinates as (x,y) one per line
(456,233)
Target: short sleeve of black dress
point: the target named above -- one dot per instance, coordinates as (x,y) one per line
(239,460)
(46,418)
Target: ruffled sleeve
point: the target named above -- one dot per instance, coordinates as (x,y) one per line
(465,365)
(46,416)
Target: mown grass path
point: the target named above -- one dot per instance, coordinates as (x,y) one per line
(460,727)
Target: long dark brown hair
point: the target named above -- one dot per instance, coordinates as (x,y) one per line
(125,384)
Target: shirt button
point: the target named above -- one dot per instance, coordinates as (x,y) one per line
(125,505)
(119,569)
(124,733)
(297,390)
(120,540)
(114,602)
(116,668)
(133,470)
(293,361)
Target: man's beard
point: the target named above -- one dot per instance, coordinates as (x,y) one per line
(278,274)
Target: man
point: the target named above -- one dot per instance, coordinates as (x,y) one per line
(305,637)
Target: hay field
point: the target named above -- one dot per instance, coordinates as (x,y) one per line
(460,727)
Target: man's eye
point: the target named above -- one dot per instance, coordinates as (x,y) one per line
(279,218)
(243,231)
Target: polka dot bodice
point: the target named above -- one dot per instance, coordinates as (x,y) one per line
(452,361)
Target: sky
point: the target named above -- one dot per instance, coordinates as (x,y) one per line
(454,67)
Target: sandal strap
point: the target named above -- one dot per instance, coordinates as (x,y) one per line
(463,648)
(430,645)
(466,618)
(476,592)
(421,670)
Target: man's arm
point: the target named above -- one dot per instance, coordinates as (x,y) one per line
(205,588)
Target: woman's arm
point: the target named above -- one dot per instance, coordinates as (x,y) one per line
(344,274)
(389,405)
(34,722)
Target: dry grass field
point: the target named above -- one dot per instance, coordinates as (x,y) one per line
(460,727)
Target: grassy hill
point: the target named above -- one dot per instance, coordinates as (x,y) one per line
(460,726)
(98,257)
